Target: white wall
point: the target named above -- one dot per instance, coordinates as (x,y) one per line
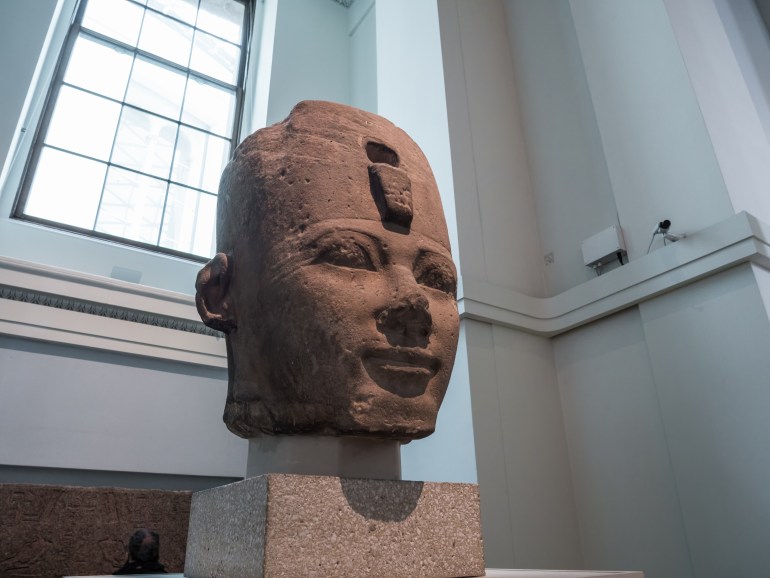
(665,411)
(26,27)
(362,30)
(313,50)
(449,454)
(72,414)
(570,183)
(528,509)
(497,225)
(636,441)
(726,52)
(320,50)
(750,42)
(23,26)
(658,152)
(73,410)
(564,116)
(311,56)
(625,490)
(410,89)
(67,407)
(410,93)
(708,346)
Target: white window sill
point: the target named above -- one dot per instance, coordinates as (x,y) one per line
(47,303)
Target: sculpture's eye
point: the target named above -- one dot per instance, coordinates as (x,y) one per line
(345,251)
(437,272)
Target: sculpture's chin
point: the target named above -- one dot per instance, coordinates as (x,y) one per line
(251,419)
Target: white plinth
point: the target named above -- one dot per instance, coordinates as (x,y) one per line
(343,457)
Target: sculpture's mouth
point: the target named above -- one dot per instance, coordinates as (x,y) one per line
(401,370)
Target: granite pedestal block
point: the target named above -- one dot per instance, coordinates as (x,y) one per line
(291,526)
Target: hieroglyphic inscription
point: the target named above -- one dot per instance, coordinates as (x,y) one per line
(50,531)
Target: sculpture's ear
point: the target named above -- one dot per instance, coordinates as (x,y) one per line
(212,295)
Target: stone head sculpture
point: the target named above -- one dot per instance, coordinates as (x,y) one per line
(333,280)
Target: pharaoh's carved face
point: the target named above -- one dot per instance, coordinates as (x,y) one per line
(342,297)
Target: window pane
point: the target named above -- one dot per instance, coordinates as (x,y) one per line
(209,107)
(223,18)
(145,107)
(166,38)
(144,142)
(200,158)
(66,189)
(83,123)
(215,58)
(188,224)
(185,10)
(118,19)
(99,67)
(132,206)
(156,88)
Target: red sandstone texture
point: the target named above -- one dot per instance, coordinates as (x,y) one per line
(333,280)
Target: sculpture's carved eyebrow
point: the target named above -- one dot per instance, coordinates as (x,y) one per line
(430,252)
(296,252)
(342,231)
(424,245)
(377,243)
(425,253)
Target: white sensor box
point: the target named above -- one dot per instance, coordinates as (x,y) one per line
(603,247)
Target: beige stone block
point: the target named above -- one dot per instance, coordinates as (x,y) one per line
(293,526)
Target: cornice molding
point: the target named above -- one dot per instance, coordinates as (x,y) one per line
(104,310)
(739,239)
(61,306)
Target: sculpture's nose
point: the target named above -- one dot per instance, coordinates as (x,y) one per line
(407,321)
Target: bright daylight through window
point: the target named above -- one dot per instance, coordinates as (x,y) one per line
(140,122)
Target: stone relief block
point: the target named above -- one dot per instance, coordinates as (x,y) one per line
(50,531)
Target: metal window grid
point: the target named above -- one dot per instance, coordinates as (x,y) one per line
(77,30)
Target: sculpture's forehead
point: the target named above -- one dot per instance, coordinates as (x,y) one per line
(341,123)
(315,172)
(333,134)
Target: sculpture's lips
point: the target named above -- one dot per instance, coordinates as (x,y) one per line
(400,370)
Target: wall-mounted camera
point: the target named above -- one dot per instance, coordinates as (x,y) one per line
(663,230)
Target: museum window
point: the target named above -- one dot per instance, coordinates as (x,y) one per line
(141,118)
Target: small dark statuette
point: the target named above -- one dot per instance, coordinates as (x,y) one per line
(333,280)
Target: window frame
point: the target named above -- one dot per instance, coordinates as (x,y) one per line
(56,81)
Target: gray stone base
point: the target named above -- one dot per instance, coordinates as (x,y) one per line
(290,526)
(339,456)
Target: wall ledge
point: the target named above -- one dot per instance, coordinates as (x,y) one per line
(739,239)
(61,306)
(56,305)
